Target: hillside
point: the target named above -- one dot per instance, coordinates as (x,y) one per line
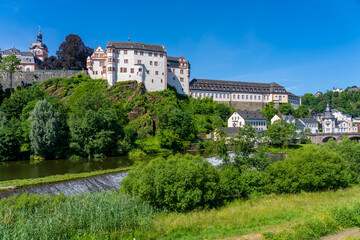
(346,101)
(96,120)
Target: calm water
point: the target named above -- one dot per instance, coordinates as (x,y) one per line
(24,169)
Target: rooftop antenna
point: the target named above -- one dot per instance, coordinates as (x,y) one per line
(129,37)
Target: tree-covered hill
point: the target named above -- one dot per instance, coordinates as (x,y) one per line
(90,119)
(346,101)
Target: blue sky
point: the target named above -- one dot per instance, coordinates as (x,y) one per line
(305,45)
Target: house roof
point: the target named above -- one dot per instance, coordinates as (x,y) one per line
(173,62)
(286,117)
(235,86)
(251,115)
(299,123)
(233,131)
(136,45)
(308,120)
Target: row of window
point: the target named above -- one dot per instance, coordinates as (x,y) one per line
(257,123)
(181,79)
(227,96)
(150,54)
(174,70)
(152,81)
(156,72)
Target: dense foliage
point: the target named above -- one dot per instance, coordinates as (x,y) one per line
(90,119)
(61,217)
(311,169)
(179,183)
(72,55)
(347,101)
(281,133)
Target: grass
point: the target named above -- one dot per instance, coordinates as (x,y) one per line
(61,217)
(112,215)
(256,215)
(21,183)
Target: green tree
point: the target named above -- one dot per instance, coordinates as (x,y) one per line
(269,111)
(9,65)
(286,109)
(302,112)
(179,183)
(307,169)
(96,133)
(9,138)
(281,133)
(170,140)
(44,128)
(304,135)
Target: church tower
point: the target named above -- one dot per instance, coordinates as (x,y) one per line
(328,121)
(38,48)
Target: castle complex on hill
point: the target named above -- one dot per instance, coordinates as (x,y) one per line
(150,64)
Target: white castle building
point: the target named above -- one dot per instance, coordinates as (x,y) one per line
(146,63)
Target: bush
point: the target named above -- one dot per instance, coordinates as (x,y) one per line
(308,169)
(179,183)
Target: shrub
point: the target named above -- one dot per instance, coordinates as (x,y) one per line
(179,183)
(308,169)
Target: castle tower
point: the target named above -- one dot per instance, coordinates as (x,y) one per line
(38,48)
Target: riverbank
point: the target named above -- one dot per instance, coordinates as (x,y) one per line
(23,183)
(87,217)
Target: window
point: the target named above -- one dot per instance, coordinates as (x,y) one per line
(242,96)
(125,51)
(101,64)
(173,78)
(140,69)
(155,63)
(247,97)
(181,79)
(169,69)
(156,72)
(118,60)
(148,71)
(126,61)
(125,70)
(250,97)
(150,54)
(181,71)
(136,52)
(161,55)
(132,70)
(174,70)
(150,62)
(163,73)
(139,61)
(161,81)
(238,96)
(141,53)
(155,54)
(152,80)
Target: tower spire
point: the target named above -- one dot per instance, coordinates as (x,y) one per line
(39,36)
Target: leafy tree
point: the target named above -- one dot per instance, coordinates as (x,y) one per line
(223,111)
(178,121)
(302,112)
(281,133)
(44,128)
(9,138)
(96,133)
(170,140)
(248,149)
(73,53)
(179,183)
(269,111)
(9,65)
(286,109)
(309,169)
(51,63)
(304,135)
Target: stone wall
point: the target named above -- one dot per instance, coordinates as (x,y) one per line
(22,78)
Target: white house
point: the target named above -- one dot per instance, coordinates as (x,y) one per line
(254,118)
(310,123)
(287,118)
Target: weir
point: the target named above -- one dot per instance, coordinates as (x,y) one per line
(110,181)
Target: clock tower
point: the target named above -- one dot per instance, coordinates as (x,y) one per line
(38,48)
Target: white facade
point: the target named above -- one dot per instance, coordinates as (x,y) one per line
(240,118)
(233,91)
(310,123)
(287,118)
(146,63)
